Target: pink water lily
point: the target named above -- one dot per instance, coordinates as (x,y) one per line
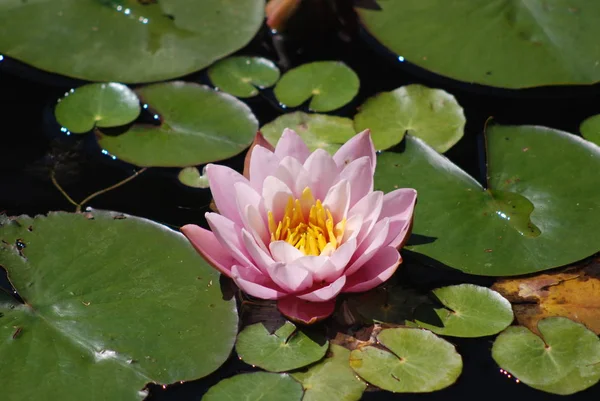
(304,227)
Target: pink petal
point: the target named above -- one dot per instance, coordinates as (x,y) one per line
(207,245)
(259,140)
(221,179)
(284,252)
(305,312)
(358,146)
(360,177)
(251,210)
(293,174)
(254,283)
(325,293)
(353,227)
(290,144)
(376,271)
(261,258)
(262,164)
(256,227)
(229,236)
(369,247)
(338,200)
(337,262)
(323,171)
(276,196)
(399,206)
(292,277)
(369,208)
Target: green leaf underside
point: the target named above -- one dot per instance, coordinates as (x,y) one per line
(417,361)
(470,311)
(111,302)
(430,114)
(191,177)
(243,76)
(198,125)
(331,379)
(126,41)
(501,43)
(536,199)
(97,105)
(328,84)
(318,131)
(286,349)
(590,129)
(257,386)
(565,360)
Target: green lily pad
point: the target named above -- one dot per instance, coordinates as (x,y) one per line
(286,349)
(243,76)
(318,131)
(126,41)
(470,311)
(257,386)
(197,125)
(332,378)
(430,114)
(590,129)
(111,302)
(328,84)
(417,361)
(564,360)
(535,200)
(191,177)
(97,105)
(501,43)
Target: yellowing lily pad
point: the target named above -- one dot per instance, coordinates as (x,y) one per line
(257,386)
(243,76)
(430,114)
(197,125)
(97,105)
(328,84)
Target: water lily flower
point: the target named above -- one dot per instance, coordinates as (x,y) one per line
(304,227)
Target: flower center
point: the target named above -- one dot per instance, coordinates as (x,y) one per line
(312,234)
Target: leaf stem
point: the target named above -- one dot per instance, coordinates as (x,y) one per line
(62,191)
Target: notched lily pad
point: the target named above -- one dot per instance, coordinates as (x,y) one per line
(535,198)
(318,131)
(286,349)
(257,386)
(243,76)
(564,360)
(197,125)
(416,361)
(469,311)
(97,105)
(430,114)
(590,129)
(191,177)
(328,84)
(111,295)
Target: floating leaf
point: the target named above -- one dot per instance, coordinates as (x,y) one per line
(470,311)
(243,76)
(97,105)
(328,84)
(112,300)
(564,360)
(574,293)
(191,177)
(590,129)
(257,386)
(197,125)
(318,131)
(536,198)
(430,114)
(417,361)
(133,41)
(286,349)
(498,42)
(331,379)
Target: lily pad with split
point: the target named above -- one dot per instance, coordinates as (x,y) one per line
(243,76)
(257,386)
(191,177)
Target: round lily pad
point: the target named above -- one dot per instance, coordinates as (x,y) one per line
(470,311)
(535,199)
(97,105)
(197,125)
(257,386)
(590,129)
(328,84)
(332,378)
(111,302)
(126,41)
(563,360)
(286,349)
(191,177)
(430,114)
(417,361)
(318,131)
(500,43)
(243,76)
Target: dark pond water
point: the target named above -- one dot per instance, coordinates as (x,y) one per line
(31,144)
